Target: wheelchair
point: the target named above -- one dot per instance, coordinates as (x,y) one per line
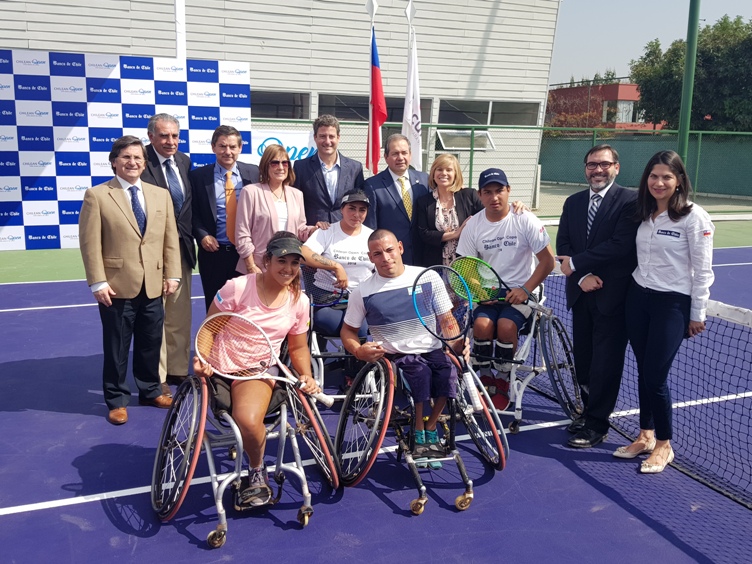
(317,342)
(544,346)
(369,410)
(199,401)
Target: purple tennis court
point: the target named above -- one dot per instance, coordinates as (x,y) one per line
(77,489)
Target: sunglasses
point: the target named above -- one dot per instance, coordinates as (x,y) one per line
(278,163)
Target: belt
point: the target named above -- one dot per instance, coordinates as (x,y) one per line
(659,292)
(226,247)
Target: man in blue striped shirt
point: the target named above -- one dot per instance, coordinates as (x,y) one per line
(385,301)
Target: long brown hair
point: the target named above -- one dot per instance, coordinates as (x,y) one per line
(295,286)
(679,204)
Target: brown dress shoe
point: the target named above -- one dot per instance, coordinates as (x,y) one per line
(118,416)
(160,401)
(166,391)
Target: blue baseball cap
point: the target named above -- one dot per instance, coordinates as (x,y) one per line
(490,176)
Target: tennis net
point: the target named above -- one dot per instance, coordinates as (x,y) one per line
(711,390)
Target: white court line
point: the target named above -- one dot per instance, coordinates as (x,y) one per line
(197,481)
(42,308)
(74,280)
(733,264)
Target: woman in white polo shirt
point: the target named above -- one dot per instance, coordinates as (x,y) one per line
(668,297)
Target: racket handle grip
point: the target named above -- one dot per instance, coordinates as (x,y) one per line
(324,399)
(472,391)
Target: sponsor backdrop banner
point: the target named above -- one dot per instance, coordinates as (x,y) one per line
(60,113)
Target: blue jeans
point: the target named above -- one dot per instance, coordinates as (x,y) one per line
(657,323)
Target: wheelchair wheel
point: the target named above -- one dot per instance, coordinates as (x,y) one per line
(483,426)
(363,421)
(559,359)
(310,426)
(179,448)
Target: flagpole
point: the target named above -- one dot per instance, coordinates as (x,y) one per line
(371,7)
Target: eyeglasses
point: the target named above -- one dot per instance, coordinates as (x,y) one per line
(605,165)
(278,163)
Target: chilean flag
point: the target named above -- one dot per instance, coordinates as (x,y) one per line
(376,110)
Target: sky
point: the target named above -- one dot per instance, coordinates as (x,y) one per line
(595,35)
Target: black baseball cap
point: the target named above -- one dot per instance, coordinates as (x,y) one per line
(352,197)
(285,246)
(492,175)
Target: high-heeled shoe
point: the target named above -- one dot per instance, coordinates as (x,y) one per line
(655,468)
(622,451)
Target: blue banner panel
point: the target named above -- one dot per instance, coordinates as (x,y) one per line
(73,114)
(35,139)
(103,90)
(38,188)
(203,117)
(203,71)
(11,213)
(32,87)
(67,64)
(42,237)
(9,163)
(69,212)
(137,67)
(73,164)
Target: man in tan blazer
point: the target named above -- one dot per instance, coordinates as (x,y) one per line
(129,244)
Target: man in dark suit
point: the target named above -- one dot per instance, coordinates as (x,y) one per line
(168,168)
(130,250)
(393,194)
(327,175)
(596,247)
(213,219)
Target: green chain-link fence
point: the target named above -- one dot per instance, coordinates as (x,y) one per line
(545,165)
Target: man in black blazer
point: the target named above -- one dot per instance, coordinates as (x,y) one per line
(217,256)
(390,189)
(596,247)
(168,168)
(327,175)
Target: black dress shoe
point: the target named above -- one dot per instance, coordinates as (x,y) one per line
(587,438)
(577,425)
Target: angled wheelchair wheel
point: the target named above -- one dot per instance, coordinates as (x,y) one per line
(559,359)
(179,448)
(483,425)
(310,426)
(363,421)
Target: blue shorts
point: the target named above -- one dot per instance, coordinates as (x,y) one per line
(429,375)
(520,314)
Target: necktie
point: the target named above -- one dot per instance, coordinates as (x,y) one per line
(231,205)
(406,199)
(595,201)
(174,185)
(138,211)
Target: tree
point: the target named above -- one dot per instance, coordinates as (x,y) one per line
(723,79)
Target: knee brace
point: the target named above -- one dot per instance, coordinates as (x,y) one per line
(484,350)
(503,354)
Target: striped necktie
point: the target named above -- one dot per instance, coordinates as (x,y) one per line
(406,199)
(595,201)
(174,186)
(231,206)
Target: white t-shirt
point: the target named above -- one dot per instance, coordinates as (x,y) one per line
(387,305)
(509,245)
(351,251)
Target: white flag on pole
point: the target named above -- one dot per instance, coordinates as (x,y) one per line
(411,119)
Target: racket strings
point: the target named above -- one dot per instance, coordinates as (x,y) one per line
(439,297)
(234,347)
(480,278)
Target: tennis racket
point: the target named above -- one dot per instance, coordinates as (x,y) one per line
(483,282)
(235,347)
(440,300)
(321,297)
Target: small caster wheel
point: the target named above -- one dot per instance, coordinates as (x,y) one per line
(304,515)
(233,453)
(463,501)
(514,427)
(417,506)
(216,538)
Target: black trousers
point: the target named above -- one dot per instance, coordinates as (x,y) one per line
(140,320)
(599,343)
(216,269)
(656,323)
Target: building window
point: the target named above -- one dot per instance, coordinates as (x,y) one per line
(281,105)
(514,113)
(343,107)
(483,112)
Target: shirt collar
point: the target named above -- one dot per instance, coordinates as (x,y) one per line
(222,171)
(336,163)
(602,193)
(396,177)
(125,185)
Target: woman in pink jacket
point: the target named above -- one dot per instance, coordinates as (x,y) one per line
(267,207)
